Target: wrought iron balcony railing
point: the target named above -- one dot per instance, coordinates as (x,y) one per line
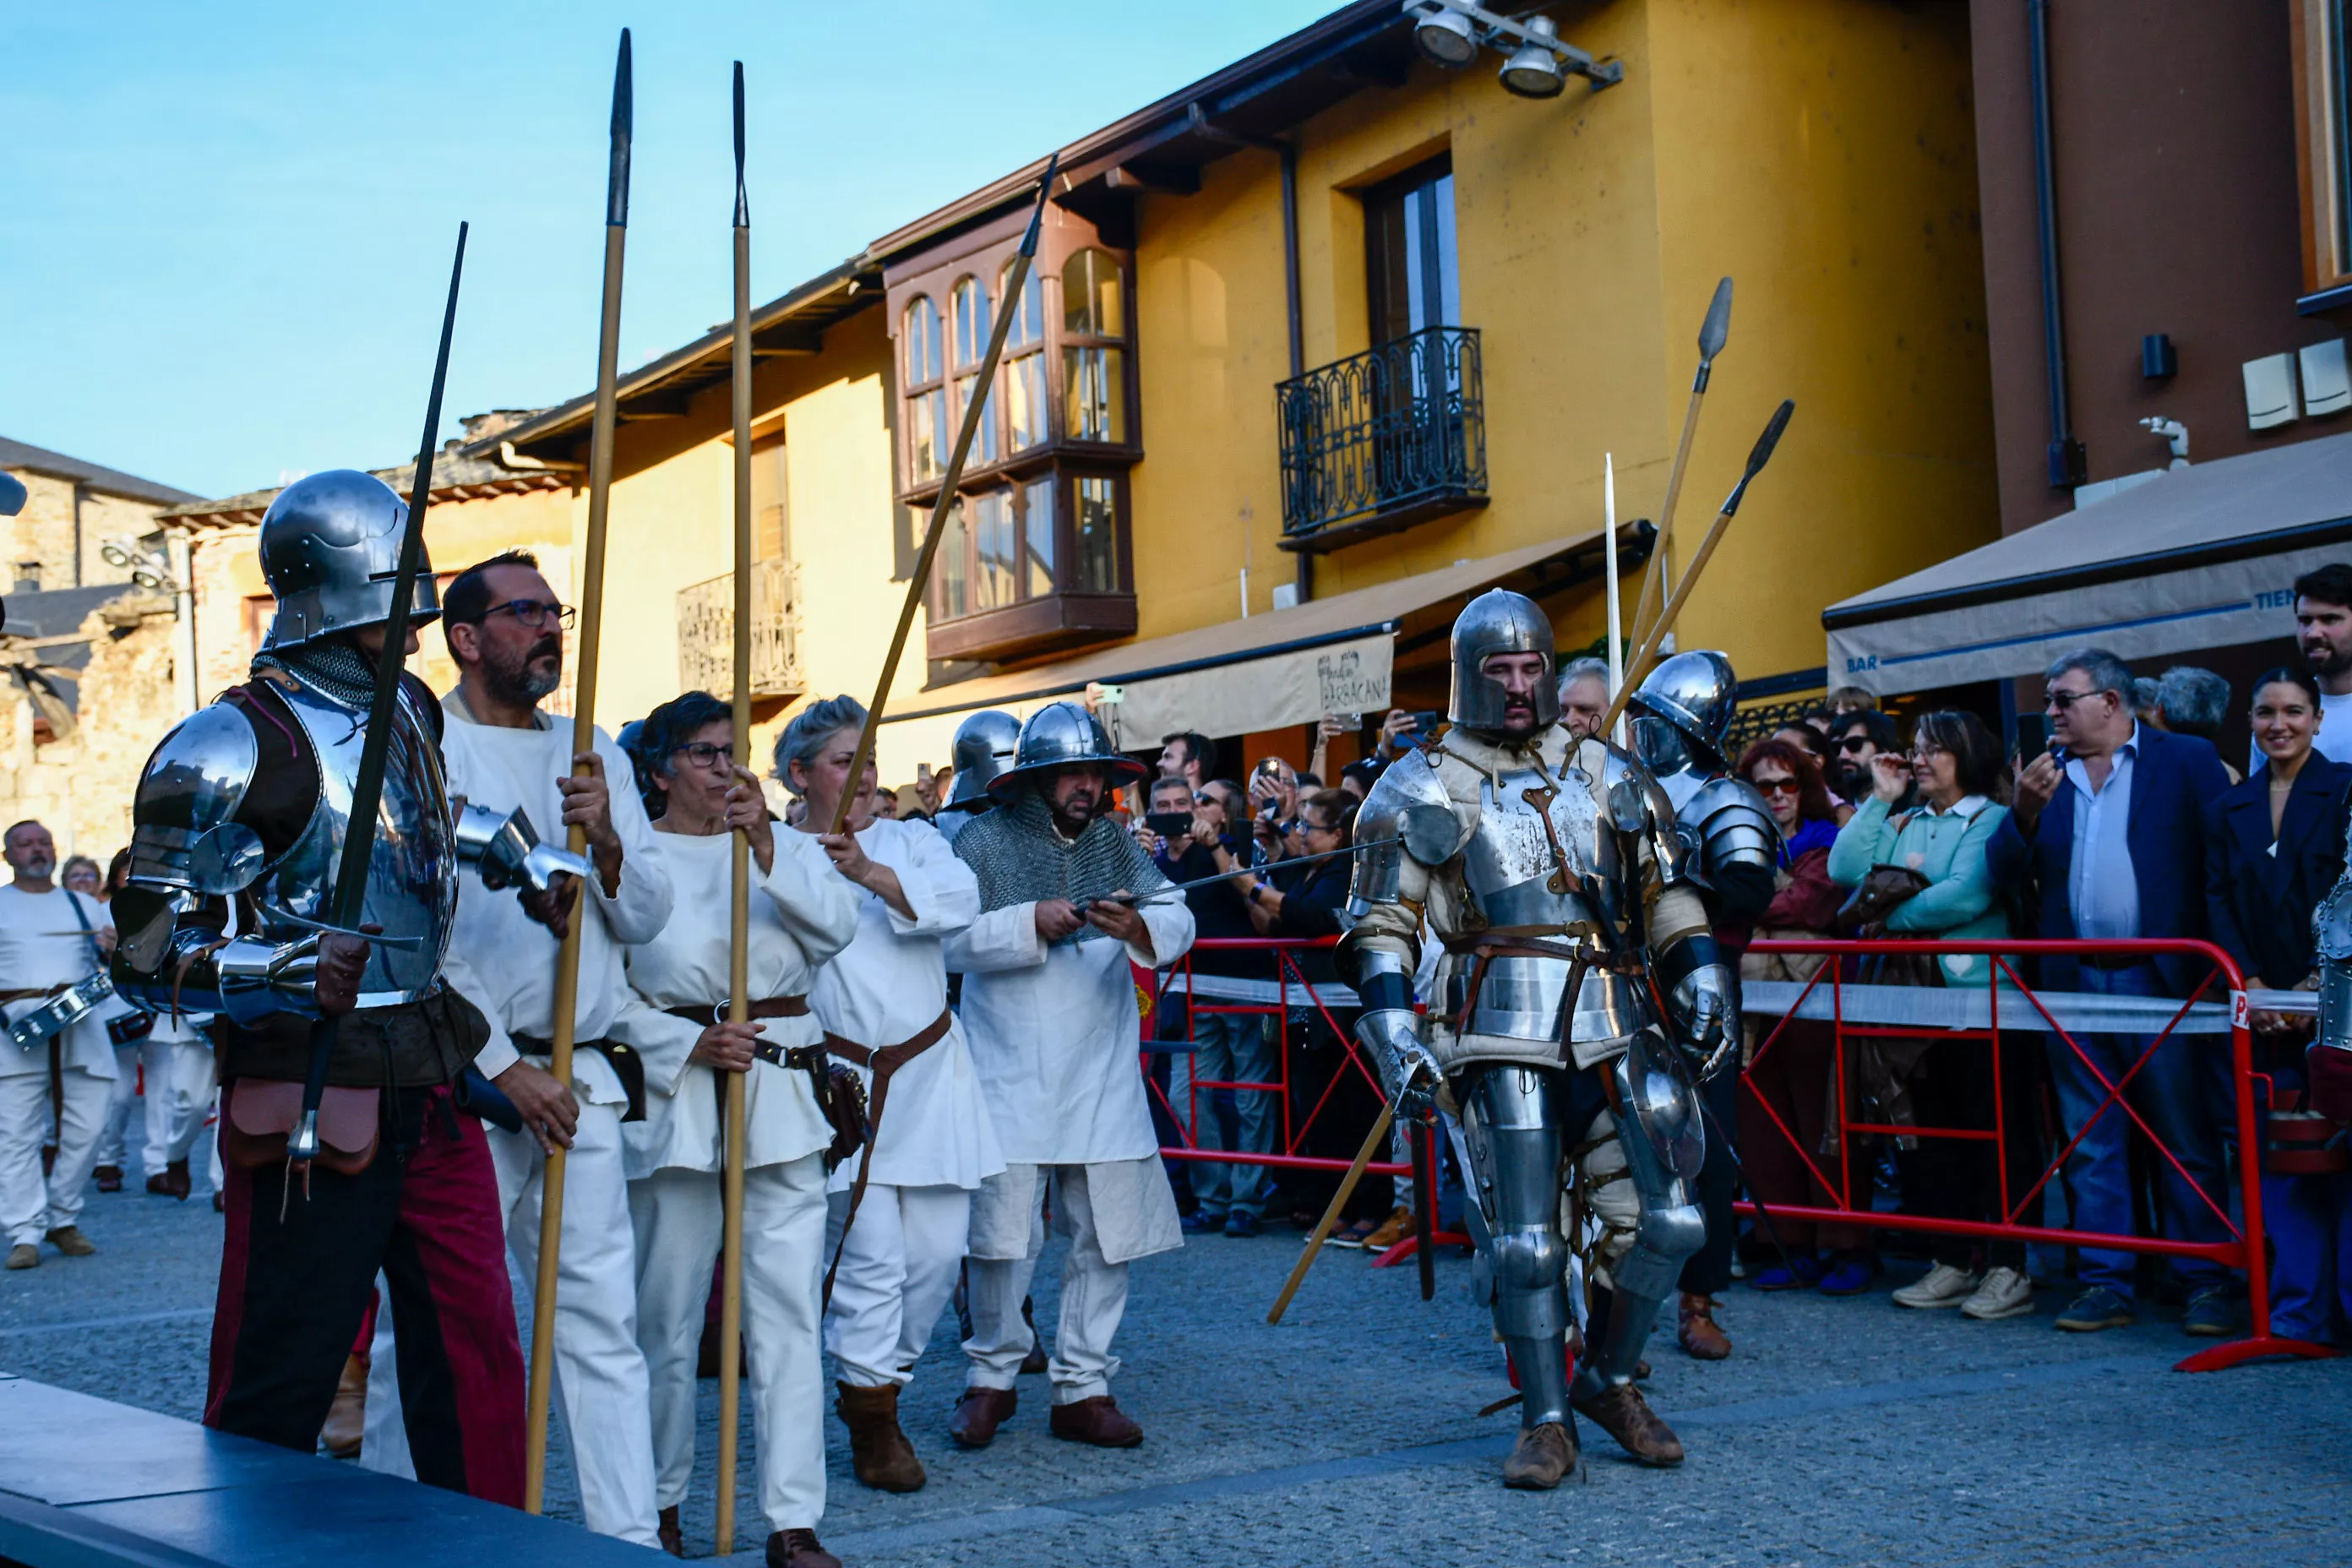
(705,634)
(1383,439)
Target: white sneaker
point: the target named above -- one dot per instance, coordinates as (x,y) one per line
(2005,1293)
(1944,1286)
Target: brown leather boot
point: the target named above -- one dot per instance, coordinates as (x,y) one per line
(878,1450)
(673,1539)
(799,1548)
(1624,1414)
(347,1416)
(1099,1421)
(1701,1335)
(110,1178)
(980,1413)
(1542,1459)
(176,1180)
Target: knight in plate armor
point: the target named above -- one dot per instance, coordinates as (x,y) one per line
(1681,729)
(238,830)
(1579,1000)
(984,744)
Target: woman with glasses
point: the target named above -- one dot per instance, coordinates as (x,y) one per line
(1786,1111)
(1956,771)
(2273,847)
(801,914)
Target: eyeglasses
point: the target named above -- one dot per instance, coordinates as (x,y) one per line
(2061,700)
(1777,786)
(705,755)
(1854,745)
(535,612)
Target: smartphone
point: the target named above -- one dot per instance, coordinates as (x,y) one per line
(2032,735)
(1168,824)
(1426,721)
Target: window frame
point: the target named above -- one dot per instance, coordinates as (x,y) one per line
(913,391)
(2322,55)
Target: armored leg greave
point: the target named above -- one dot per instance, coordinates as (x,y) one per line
(1657,1128)
(1513,1122)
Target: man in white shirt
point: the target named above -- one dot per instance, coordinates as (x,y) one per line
(44,945)
(1050,1012)
(504,627)
(2323,629)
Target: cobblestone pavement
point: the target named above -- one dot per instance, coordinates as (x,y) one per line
(1841,1432)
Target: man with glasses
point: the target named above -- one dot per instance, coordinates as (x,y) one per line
(505,629)
(2110,826)
(1854,739)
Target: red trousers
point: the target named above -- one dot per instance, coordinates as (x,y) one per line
(297,1276)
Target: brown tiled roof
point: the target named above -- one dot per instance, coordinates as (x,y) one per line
(456,476)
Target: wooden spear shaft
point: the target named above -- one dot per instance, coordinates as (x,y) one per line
(739,932)
(1659,575)
(583,740)
(1015,277)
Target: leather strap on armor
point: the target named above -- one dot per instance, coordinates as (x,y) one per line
(884,1064)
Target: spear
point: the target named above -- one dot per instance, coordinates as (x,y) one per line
(738,1003)
(367,789)
(1639,665)
(583,740)
(1711,335)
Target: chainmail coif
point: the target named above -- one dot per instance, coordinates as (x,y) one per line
(1020,857)
(332,665)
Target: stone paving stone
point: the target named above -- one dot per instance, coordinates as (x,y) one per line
(1842,1431)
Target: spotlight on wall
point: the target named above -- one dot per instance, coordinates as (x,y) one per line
(1451,33)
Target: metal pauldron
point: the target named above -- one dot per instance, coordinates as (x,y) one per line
(506,851)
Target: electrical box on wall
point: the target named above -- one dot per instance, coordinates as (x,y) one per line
(2159,360)
(2270,392)
(2327,380)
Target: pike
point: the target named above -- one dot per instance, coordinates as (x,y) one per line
(984,382)
(367,788)
(1712,332)
(1323,1228)
(583,737)
(739,932)
(1639,665)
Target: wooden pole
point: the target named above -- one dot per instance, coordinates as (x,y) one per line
(583,738)
(738,931)
(1659,576)
(1331,1216)
(1007,303)
(1609,571)
(1638,665)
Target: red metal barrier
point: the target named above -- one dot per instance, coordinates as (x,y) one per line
(2244,1248)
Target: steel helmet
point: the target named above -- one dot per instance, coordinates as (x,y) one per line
(330,545)
(1499,621)
(1696,693)
(984,745)
(1061,735)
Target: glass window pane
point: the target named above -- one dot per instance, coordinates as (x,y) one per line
(997,550)
(922,340)
(984,442)
(1094,395)
(972,323)
(1039,501)
(1028,312)
(1025,400)
(947,571)
(1097,534)
(1092,303)
(771,507)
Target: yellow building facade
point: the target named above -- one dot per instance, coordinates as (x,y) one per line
(1818,152)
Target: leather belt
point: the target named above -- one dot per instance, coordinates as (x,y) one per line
(709,1013)
(884,1063)
(627,1066)
(1582,958)
(22,995)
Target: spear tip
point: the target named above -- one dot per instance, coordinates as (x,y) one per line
(1037,214)
(616,184)
(1718,325)
(742,202)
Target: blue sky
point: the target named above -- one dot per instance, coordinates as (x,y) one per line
(224,231)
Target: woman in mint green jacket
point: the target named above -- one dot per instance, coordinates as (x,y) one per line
(1958,766)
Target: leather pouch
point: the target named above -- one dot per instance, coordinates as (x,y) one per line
(262,1112)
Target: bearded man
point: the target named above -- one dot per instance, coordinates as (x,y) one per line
(1049,1010)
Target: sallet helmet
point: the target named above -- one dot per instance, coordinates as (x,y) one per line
(1695,694)
(329,546)
(984,744)
(1499,621)
(1061,735)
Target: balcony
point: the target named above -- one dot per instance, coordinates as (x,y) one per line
(705,635)
(1385,439)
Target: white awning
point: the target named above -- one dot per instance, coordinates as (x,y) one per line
(2204,556)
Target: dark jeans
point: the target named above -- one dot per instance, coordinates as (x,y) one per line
(1708,1271)
(1960,1179)
(1791,1075)
(295,1285)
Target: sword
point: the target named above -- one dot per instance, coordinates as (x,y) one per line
(1424,1200)
(1236,871)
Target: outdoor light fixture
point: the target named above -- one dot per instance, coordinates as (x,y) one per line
(1451,33)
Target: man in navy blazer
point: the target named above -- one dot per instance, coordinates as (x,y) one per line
(2110,828)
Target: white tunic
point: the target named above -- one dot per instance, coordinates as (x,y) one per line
(1055,1032)
(499,958)
(42,945)
(801,913)
(889,985)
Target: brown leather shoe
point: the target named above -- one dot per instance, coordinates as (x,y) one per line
(1702,1337)
(24,1255)
(980,1413)
(1099,1421)
(1542,1459)
(878,1450)
(220,1201)
(799,1548)
(69,1240)
(177,1180)
(1624,1414)
(673,1539)
(110,1178)
(347,1416)
(1390,1231)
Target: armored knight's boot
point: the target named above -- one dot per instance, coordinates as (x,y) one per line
(1516,1145)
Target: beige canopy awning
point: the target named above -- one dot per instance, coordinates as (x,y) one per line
(1264,671)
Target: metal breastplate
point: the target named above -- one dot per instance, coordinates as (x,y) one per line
(1542,863)
(412,889)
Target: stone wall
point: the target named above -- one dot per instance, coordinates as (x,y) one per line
(65,527)
(81,785)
